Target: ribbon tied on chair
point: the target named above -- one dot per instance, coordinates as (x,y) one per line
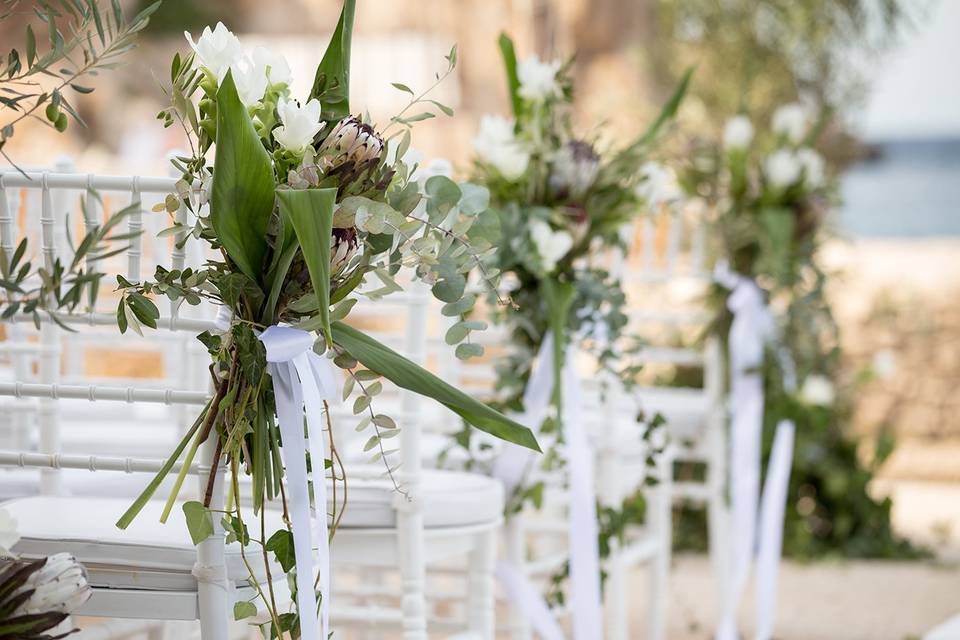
(757,522)
(510,468)
(302,380)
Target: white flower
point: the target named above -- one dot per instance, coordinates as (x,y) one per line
(782,168)
(884,364)
(813,166)
(216,50)
(658,184)
(817,390)
(738,133)
(538,80)
(8,532)
(299,124)
(791,120)
(277,67)
(496,145)
(551,245)
(60,585)
(250,77)
(575,168)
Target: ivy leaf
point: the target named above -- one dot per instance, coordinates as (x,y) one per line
(244,609)
(281,544)
(199,521)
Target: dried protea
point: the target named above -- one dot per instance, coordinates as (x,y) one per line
(575,168)
(38,595)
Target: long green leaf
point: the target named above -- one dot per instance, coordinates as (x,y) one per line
(509,55)
(242,198)
(667,113)
(408,375)
(158,479)
(333,72)
(558,297)
(310,211)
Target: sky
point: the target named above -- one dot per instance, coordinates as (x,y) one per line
(916,92)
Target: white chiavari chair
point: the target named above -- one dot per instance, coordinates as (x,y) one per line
(389,542)
(149,571)
(669,264)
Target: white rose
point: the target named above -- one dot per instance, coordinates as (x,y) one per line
(791,120)
(817,390)
(658,184)
(300,124)
(8,532)
(216,50)
(496,145)
(813,167)
(538,80)
(551,245)
(277,67)
(738,133)
(782,168)
(250,77)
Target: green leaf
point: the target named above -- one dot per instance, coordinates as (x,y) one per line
(666,114)
(243,609)
(468,350)
(333,72)
(513,81)
(281,544)
(199,521)
(243,187)
(408,375)
(310,211)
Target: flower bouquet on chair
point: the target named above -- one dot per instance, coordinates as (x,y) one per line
(306,202)
(562,205)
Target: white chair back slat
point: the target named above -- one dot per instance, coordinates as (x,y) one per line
(135,227)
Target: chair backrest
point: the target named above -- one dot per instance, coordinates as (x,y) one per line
(40,206)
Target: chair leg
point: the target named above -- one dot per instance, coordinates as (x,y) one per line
(661,527)
(213,588)
(412,573)
(480,590)
(515,540)
(615,596)
(718,516)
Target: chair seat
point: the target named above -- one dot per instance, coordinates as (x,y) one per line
(150,555)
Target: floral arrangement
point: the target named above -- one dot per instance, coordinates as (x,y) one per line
(37,596)
(562,204)
(301,203)
(768,194)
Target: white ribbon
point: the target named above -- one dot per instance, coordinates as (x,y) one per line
(752,328)
(511,467)
(302,380)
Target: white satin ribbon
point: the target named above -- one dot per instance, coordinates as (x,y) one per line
(302,380)
(511,467)
(752,329)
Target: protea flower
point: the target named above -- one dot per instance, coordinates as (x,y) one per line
(343,244)
(352,141)
(38,595)
(575,168)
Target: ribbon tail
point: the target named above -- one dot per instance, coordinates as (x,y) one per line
(311,379)
(521,592)
(771,527)
(289,402)
(586,598)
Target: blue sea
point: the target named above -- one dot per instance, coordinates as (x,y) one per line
(907,188)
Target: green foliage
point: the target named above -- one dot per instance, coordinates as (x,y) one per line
(243,188)
(331,83)
(199,521)
(509,56)
(310,213)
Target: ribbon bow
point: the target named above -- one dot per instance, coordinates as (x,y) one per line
(302,380)
(757,522)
